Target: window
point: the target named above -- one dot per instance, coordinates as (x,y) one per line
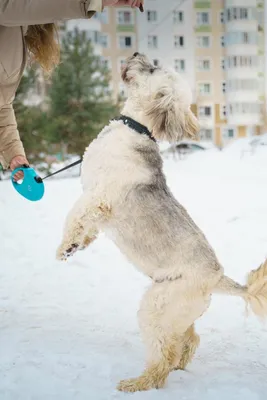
(179,65)
(126,42)
(223,111)
(93,36)
(121,64)
(223,87)
(104,40)
(203,41)
(203,18)
(243,13)
(125,17)
(234,38)
(249,61)
(222,19)
(204,111)
(152,42)
(103,16)
(245,37)
(178,41)
(205,134)
(222,41)
(122,91)
(235,13)
(178,17)
(204,65)
(229,133)
(244,108)
(152,16)
(235,61)
(242,61)
(204,88)
(105,62)
(236,85)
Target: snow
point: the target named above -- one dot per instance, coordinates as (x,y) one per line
(69,330)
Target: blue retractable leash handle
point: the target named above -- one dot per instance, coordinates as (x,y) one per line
(32,186)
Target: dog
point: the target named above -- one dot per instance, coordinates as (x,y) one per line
(126,196)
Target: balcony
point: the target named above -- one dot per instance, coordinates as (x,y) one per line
(202,4)
(203,28)
(125,28)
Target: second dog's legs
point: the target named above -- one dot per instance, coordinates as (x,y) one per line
(167,311)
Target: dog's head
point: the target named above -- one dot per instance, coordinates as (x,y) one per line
(163,97)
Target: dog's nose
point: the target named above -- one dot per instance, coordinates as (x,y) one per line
(136,54)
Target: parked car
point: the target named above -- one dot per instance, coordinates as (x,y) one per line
(247,145)
(181,149)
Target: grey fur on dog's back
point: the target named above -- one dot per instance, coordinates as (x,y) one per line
(155,227)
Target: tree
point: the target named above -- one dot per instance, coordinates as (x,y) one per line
(79,102)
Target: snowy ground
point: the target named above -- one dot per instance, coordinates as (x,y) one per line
(69,330)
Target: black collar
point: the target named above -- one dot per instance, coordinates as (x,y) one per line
(135,126)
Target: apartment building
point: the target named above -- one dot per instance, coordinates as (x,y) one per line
(119,41)
(210,86)
(166,35)
(245,66)
(92,29)
(219,47)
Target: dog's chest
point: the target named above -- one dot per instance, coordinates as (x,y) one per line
(110,163)
(97,164)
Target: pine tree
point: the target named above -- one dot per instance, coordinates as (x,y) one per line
(80,104)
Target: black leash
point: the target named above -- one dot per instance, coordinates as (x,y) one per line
(64,169)
(131,123)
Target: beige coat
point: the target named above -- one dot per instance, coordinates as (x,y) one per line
(15,16)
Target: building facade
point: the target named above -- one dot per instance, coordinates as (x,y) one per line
(219,47)
(119,41)
(165,35)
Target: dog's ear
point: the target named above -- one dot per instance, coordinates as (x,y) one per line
(169,119)
(191,126)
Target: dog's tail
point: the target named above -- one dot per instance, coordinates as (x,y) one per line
(254,293)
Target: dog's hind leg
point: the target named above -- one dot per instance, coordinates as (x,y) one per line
(81,226)
(165,315)
(190,344)
(160,341)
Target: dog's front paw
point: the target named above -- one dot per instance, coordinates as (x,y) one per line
(64,252)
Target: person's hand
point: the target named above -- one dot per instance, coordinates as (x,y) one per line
(16,162)
(119,3)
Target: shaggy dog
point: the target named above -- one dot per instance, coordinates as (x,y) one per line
(126,196)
